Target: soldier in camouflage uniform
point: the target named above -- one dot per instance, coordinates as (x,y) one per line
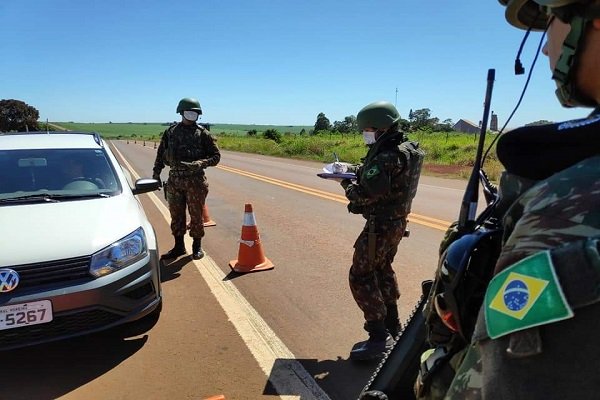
(187,148)
(532,338)
(386,184)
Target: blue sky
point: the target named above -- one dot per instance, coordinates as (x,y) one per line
(266,61)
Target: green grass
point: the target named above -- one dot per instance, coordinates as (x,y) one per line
(147,131)
(237,129)
(454,151)
(151,131)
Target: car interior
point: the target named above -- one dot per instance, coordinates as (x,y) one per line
(71,170)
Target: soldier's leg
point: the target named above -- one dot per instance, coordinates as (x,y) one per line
(386,277)
(366,293)
(363,282)
(177,209)
(197,190)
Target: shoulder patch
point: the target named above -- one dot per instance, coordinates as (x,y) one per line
(525,295)
(372,172)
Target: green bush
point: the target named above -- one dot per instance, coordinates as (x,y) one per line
(272,134)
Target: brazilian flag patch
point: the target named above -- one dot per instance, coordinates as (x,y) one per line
(524,295)
(373,171)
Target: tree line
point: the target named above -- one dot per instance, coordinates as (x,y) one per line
(420,119)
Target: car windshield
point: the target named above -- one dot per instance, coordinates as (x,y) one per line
(56,174)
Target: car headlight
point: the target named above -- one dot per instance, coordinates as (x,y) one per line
(120,254)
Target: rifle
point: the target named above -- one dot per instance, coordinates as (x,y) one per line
(395,376)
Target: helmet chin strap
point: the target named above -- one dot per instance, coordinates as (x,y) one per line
(566,66)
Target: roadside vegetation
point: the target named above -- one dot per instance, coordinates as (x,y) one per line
(448,154)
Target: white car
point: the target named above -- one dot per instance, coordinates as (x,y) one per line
(78,253)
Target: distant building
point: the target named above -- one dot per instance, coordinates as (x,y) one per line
(494,123)
(466,126)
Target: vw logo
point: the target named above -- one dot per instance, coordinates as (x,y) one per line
(9,279)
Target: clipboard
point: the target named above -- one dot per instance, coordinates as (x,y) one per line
(331,175)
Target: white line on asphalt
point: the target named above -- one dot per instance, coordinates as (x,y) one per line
(278,363)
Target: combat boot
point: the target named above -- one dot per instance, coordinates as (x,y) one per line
(392,323)
(197,252)
(177,250)
(379,341)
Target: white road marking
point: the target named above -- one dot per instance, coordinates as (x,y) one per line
(278,363)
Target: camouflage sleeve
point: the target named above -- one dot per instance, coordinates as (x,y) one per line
(561,209)
(159,162)
(387,171)
(354,192)
(212,151)
(467,382)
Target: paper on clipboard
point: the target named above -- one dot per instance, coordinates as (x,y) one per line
(329,174)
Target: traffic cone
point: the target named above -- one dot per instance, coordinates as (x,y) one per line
(206,221)
(250,255)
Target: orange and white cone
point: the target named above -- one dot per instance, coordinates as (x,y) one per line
(251,257)
(206,221)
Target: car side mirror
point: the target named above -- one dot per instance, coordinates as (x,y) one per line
(144,185)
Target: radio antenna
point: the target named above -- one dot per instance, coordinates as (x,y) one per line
(468,208)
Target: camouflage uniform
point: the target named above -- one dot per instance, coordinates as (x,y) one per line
(187,184)
(386,185)
(552,183)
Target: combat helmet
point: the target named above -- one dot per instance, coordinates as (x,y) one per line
(380,114)
(533,14)
(189,104)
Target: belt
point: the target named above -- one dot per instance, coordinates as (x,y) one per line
(184,173)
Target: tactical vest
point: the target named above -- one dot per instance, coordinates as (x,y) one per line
(184,144)
(414,157)
(374,178)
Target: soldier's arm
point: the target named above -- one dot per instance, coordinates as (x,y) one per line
(159,163)
(212,151)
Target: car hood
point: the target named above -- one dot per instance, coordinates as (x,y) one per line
(54,231)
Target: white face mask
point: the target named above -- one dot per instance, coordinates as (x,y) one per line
(191,115)
(369,137)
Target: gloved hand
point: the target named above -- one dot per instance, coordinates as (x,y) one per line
(157,177)
(339,167)
(195,165)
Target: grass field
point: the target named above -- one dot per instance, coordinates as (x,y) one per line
(447,154)
(151,131)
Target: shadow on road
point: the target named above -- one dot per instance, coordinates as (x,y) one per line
(169,269)
(340,378)
(52,370)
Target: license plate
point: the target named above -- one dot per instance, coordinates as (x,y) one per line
(25,314)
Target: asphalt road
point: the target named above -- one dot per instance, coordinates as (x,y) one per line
(283,333)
